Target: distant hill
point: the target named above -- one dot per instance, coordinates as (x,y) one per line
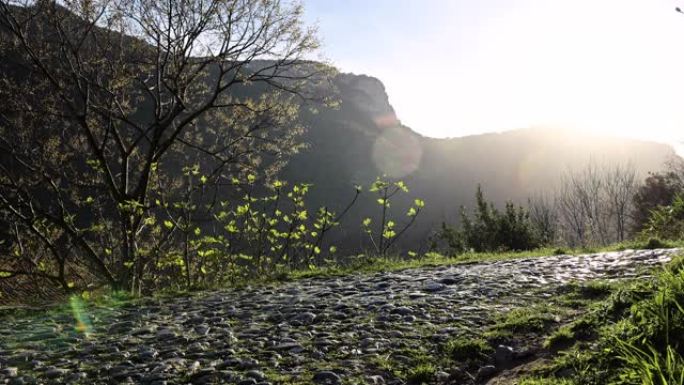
(363,138)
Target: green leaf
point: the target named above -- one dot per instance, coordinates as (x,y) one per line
(168,224)
(366,222)
(243,209)
(419,203)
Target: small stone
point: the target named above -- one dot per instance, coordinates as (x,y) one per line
(55,373)
(503,355)
(306,318)
(255,374)
(164,334)
(10,372)
(289,347)
(486,372)
(433,287)
(402,310)
(449,281)
(326,377)
(75,377)
(442,376)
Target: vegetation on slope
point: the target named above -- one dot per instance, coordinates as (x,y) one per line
(633,337)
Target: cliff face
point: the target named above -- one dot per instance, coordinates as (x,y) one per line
(363,138)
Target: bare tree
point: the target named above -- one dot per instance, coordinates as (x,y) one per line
(572,214)
(543,211)
(108,99)
(595,203)
(621,186)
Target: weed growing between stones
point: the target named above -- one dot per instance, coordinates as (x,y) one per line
(424,373)
(468,348)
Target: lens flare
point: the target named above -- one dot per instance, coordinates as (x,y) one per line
(397,152)
(78,309)
(388,120)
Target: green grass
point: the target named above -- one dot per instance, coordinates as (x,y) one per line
(639,244)
(532,319)
(497,337)
(468,348)
(423,373)
(561,338)
(635,336)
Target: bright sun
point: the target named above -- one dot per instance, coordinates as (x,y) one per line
(612,67)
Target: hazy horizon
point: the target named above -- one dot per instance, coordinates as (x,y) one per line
(457,68)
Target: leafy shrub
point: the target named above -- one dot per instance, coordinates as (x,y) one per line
(658,190)
(388,231)
(655,243)
(491,230)
(666,222)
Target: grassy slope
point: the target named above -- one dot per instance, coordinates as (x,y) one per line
(635,336)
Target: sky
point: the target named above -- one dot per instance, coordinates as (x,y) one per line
(460,67)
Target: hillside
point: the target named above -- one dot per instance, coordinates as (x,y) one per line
(363,139)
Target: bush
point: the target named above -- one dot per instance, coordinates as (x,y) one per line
(491,230)
(655,243)
(666,222)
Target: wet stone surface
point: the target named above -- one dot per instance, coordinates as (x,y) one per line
(321,330)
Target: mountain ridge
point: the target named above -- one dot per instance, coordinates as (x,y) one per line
(363,139)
